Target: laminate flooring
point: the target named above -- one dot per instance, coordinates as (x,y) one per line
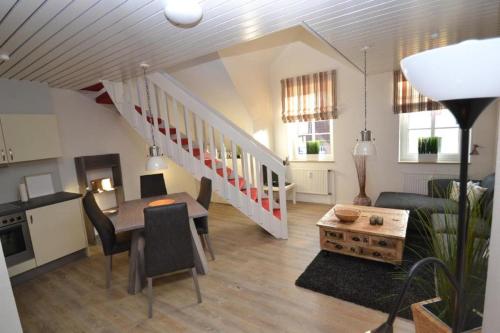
(250,288)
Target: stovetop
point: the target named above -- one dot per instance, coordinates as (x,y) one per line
(9,208)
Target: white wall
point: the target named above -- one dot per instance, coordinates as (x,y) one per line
(88,128)
(9,318)
(491,321)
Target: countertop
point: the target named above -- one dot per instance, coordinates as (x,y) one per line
(46,200)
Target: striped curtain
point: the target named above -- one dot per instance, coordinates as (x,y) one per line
(407,99)
(309,97)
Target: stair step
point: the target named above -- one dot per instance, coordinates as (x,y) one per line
(241,182)
(95,87)
(184,141)
(173,131)
(104,98)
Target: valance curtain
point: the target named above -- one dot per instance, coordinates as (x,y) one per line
(407,99)
(309,97)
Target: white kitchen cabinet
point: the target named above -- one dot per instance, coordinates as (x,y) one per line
(29,137)
(56,230)
(3,150)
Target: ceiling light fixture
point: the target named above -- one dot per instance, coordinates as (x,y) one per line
(183,13)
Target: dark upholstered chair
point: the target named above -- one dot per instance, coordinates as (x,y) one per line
(111,243)
(201,223)
(169,245)
(153,185)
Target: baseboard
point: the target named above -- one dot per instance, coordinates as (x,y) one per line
(31,274)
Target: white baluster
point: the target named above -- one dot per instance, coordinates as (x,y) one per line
(235,174)
(179,154)
(283,226)
(224,165)
(270,189)
(187,125)
(200,138)
(212,151)
(246,177)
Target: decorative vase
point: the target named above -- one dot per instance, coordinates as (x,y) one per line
(425,321)
(361,199)
(427,158)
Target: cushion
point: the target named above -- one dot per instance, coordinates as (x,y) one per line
(474,192)
(413,201)
(447,223)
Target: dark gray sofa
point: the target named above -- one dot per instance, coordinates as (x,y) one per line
(434,205)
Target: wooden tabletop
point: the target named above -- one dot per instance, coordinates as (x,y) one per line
(395,221)
(130,214)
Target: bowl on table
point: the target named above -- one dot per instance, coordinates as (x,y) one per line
(347,214)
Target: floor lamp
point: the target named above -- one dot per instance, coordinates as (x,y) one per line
(465,78)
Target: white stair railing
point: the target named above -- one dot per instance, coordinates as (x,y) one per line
(193,144)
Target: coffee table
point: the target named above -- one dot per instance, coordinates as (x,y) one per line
(360,239)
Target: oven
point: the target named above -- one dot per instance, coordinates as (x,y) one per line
(15,238)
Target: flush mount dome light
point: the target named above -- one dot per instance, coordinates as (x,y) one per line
(184,13)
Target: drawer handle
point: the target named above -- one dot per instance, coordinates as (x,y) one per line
(356,239)
(382,243)
(11,154)
(3,155)
(338,247)
(376,254)
(31,219)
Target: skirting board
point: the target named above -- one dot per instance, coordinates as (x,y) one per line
(31,274)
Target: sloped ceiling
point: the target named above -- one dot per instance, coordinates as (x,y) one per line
(74,43)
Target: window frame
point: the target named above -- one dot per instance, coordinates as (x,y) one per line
(405,156)
(293,136)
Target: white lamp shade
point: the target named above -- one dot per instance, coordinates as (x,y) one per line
(470,69)
(183,12)
(156,163)
(364,148)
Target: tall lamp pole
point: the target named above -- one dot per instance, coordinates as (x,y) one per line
(465,78)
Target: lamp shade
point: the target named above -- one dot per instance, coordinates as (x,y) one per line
(364,148)
(470,69)
(156,163)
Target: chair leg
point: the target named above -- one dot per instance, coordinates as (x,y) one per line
(209,245)
(108,265)
(194,274)
(150,297)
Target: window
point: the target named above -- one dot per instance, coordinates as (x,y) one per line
(302,132)
(440,123)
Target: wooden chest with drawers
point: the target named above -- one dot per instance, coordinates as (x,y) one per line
(360,239)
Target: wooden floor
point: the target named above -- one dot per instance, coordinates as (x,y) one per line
(250,288)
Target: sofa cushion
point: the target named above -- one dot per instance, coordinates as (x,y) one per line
(487,199)
(413,201)
(447,223)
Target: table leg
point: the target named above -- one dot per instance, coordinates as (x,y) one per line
(294,194)
(200,260)
(136,263)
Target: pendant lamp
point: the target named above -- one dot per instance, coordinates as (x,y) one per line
(156,161)
(363,148)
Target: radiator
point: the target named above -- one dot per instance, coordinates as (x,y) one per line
(313,181)
(417,182)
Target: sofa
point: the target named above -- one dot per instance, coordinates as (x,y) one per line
(436,207)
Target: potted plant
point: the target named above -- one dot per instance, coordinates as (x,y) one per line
(436,315)
(428,148)
(312,147)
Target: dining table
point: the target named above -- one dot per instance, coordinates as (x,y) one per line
(130,217)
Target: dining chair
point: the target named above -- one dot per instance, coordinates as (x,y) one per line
(153,185)
(201,223)
(112,243)
(168,245)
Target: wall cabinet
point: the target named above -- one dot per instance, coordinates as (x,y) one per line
(28,137)
(56,230)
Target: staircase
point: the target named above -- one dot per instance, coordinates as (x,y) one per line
(205,143)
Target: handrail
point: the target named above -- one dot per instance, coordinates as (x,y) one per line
(177,90)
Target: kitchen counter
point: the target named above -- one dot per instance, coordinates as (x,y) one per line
(46,200)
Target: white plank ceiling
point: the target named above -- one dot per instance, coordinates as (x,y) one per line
(74,43)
